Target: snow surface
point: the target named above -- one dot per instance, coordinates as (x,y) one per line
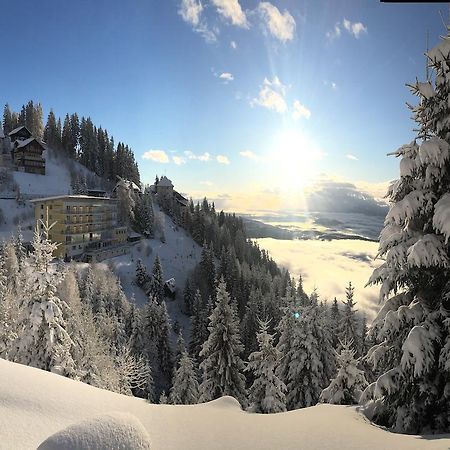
(111,431)
(35,405)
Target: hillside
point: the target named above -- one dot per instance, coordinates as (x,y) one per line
(35,404)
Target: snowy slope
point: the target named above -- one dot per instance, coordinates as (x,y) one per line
(35,404)
(179,254)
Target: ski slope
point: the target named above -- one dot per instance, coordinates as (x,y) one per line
(35,405)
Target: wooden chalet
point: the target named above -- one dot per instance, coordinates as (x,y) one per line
(27,151)
(27,156)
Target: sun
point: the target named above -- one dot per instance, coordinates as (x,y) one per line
(295,158)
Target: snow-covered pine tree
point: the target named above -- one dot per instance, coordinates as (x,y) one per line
(163,398)
(349,323)
(335,321)
(163,344)
(141,274)
(185,388)
(267,393)
(199,329)
(222,365)
(157,283)
(8,310)
(125,203)
(180,349)
(250,322)
(412,329)
(43,341)
(305,344)
(12,268)
(347,386)
(20,248)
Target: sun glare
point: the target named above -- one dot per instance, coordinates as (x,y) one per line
(295,157)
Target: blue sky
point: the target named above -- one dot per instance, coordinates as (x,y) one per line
(249,98)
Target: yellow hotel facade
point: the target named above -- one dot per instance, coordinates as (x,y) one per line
(85,227)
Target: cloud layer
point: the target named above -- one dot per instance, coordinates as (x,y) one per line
(329,266)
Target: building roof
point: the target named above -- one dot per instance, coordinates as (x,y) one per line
(180,199)
(74,197)
(24,143)
(164,182)
(16,130)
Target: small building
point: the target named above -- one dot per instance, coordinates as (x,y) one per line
(27,156)
(170,288)
(164,188)
(85,227)
(129,184)
(26,151)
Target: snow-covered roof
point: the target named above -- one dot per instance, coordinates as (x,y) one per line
(74,197)
(16,130)
(165,182)
(20,144)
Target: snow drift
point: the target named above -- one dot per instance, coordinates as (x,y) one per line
(115,430)
(35,405)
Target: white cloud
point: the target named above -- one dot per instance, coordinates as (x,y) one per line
(352,157)
(231,10)
(280,25)
(334,33)
(355,28)
(226,77)
(203,157)
(178,160)
(333,85)
(300,110)
(190,11)
(206,183)
(250,155)
(271,96)
(157,156)
(233,45)
(222,159)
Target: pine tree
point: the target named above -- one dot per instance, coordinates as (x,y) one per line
(267,393)
(180,349)
(199,332)
(335,321)
(157,283)
(188,297)
(8,311)
(346,388)
(349,324)
(413,327)
(8,124)
(141,274)
(164,350)
(185,388)
(163,398)
(222,366)
(43,341)
(305,345)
